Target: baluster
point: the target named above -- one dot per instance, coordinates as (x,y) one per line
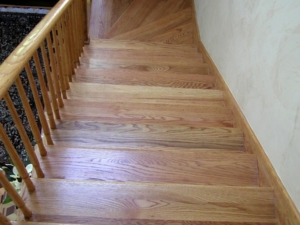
(85,15)
(67,50)
(31,119)
(38,105)
(63,52)
(59,62)
(71,40)
(44,90)
(24,137)
(77,27)
(16,159)
(50,81)
(14,195)
(4,220)
(54,69)
(69,44)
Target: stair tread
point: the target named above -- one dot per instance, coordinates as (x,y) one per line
(147,32)
(146,113)
(186,67)
(143,56)
(172,202)
(140,45)
(142,12)
(126,77)
(183,34)
(96,91)
(79,133)
(185,167)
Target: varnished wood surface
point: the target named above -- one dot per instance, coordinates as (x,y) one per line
(105,221)
(143,56)
(146,113)
(99,91)
(184,67)
(184,167)
(15,63)
(147,32)
(139,45)
(104,14)
(143,12)
(93,134)
(140,78)
(180,35)
(88,202)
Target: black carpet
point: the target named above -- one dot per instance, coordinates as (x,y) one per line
(13,28)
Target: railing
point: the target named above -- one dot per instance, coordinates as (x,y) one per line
(58,39)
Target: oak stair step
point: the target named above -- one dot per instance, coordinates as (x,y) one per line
(182,68)
(185,167)
(142,78)
(139,45)
(146,113)
(142,93)
(159,27)
(144,136)
(143,56)
(93,202)
(142,12)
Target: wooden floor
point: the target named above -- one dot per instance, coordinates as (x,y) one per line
(145,137)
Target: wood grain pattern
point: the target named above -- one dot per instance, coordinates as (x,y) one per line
(179,35)
(125,77)
(143,56)
(77,133)
(146,113)
(185,167)
(148,202)
(99,91)
(139,45)
(147,32)
(193,68)
(104,14)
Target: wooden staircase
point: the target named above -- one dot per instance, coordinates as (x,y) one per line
(145,137)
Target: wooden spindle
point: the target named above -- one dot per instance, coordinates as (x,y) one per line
(50,81)
(14,195)
(59,62)
(76,26)
(63,52)
(34,127)
(24,136)
(54,70)
(16,159)
(66,44)
(71,40)
(86,19)
(44,90)
(4,220)
(38,105)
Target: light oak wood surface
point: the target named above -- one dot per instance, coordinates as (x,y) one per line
(147,32)
(146,113)
(148,202)
(184,67)
(93,134)
(140,45)
(183,167)
(144,78)
(99,91)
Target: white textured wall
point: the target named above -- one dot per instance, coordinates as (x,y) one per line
(256,47)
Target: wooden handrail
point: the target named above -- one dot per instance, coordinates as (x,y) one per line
(15,63)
